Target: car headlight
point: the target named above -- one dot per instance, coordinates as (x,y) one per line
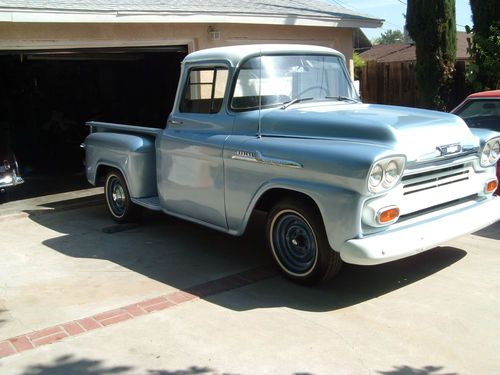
(385,174)
(490,153)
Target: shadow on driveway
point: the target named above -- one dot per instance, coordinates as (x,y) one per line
(183,254)
(492,232)
(69,364)
(2,315)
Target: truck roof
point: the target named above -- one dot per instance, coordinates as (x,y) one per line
(235,54)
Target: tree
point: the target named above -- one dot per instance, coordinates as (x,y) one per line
(359,63)
(390,37)
(483,72)
(431,24)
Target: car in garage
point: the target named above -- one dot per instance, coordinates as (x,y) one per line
(482,110)
(9,171)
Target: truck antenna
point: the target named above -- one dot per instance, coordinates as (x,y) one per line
(259,130)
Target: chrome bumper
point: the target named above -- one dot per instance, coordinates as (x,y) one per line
(420,234)
(9,180)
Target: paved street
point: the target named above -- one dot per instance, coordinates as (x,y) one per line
(82,295)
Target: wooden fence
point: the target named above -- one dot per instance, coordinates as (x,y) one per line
(395,83)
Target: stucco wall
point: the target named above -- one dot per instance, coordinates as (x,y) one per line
(22,36)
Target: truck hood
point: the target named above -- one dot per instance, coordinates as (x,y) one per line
(415,132)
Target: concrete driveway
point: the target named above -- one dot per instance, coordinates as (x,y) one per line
(81,295)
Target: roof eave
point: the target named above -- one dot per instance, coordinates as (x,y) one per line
(28,16)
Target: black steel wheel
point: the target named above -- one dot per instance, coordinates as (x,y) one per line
(298,243)
(118,201)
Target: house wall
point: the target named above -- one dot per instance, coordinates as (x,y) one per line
(26,36)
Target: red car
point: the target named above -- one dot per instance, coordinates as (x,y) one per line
(482,110)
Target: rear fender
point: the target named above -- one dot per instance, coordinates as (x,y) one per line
(133,155)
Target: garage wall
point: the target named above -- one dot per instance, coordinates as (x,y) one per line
(45,102)
(18,36)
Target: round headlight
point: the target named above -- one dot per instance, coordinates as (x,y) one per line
(376,175)
(385,173)
(485,156)
(391,172)
(494,152)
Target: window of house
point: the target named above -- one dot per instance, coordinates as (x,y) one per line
(204,91)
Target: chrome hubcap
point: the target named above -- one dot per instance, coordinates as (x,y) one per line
(118,198)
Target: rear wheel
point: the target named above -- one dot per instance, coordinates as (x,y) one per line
(298,243)
(118,201)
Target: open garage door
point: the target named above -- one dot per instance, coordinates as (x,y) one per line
(47,96)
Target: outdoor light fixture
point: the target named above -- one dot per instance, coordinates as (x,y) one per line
(213,33)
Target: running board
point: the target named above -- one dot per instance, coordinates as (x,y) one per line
(151,203)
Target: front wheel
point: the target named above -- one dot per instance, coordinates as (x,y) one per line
(298,242)
(118,201)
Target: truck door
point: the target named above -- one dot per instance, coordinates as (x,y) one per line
(189,162)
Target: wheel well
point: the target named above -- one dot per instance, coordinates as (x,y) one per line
(272,196)
(101,173)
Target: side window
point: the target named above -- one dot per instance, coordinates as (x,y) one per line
(204,90)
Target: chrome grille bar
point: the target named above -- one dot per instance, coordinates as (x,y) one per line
(434,179)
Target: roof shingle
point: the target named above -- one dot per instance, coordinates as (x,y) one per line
(304,8)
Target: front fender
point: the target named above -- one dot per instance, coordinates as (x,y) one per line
(340,208)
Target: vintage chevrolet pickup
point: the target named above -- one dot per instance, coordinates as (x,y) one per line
(279,128)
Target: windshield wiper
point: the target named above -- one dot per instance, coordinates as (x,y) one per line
(343,98)
(293,101)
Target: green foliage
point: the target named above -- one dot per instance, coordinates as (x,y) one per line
(484,14)
(483,72)
(359,63)
(390,37)
(431,24)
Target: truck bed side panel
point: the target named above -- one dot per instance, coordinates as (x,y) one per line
(132,154)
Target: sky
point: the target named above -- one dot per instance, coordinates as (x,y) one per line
(392,11)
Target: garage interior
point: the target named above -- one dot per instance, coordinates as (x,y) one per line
(47,96)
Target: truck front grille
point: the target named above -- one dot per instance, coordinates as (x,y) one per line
(437,207)
(433,179)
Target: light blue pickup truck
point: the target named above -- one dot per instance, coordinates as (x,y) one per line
(280,128)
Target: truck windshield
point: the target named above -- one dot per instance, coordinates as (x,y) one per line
(268,81)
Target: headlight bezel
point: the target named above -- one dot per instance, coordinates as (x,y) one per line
(490,153)
(388,180)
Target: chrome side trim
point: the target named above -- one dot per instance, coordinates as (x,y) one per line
(257,157)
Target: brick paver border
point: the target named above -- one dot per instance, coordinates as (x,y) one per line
(50,335)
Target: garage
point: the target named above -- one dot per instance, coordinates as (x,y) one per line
(47,96)
(63,63)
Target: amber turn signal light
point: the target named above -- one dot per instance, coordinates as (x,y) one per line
(388,215)
(491,186)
